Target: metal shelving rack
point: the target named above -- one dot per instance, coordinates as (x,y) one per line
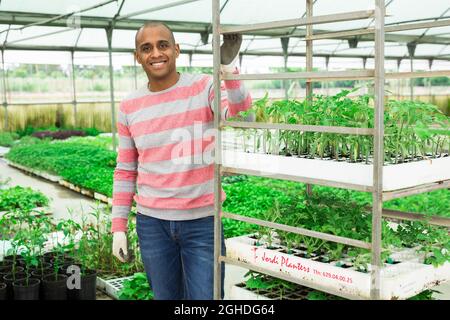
(378,75)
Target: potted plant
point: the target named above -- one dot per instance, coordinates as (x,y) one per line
(29,240)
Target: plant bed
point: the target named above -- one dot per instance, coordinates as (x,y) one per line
(62,182)
(399,281)
(35,172)
(395,176)
(59,135)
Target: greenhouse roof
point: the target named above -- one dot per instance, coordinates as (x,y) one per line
(79,25)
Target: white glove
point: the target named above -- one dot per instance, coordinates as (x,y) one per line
(229,68)
(120,246)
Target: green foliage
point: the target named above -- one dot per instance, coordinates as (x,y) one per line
(29,130)
(252,197)
(136,288)
(413,130)
(425,295)
(94,249)
(7,138)
(97,141)
(259,282)
(84,165)
(334,211)
(437,81)
(91,131)
(21,198)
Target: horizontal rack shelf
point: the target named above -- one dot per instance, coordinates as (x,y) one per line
(323,76)
(309,75)
(417,74)
(399,180)
(321,182)
(395,194)
(412,216)
(340,17)
(298,127)
(297,230)
(357,32)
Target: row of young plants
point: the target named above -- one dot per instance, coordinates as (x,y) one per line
(30,273)
(286,202)
(278,289)
(84,165)
(41,255)
(414,130)
(21,198)
(7,139)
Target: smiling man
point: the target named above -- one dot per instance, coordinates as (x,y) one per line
(174,180)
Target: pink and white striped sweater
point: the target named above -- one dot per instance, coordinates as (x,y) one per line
(166,143)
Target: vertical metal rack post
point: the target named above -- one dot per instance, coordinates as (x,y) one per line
(378,194)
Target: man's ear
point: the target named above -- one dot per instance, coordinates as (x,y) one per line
(177,49)
(136,56)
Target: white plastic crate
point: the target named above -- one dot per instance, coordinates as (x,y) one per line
(112,287)
(396,176)
(399,281)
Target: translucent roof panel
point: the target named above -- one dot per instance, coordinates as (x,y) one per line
(93,38)
(256,11)
(42,35)
(61,6)
(406,10)
(432,49)
(198,11)
(234,12)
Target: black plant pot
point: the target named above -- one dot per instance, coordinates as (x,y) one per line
(4,270)
(9,279)
(26,291)
(48,256)
(39,273)
(3,288)
(63,268)
(64,265)
(10,260)
(42,268)
(88,288)
(54,287)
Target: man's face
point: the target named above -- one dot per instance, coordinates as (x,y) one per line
(156,52)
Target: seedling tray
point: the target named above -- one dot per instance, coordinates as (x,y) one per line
(395,176)
(398,281)
(112,286)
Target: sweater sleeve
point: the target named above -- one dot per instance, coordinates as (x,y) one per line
(124,186)
(234,97)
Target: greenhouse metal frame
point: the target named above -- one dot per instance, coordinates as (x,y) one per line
(284,30)
(379,196)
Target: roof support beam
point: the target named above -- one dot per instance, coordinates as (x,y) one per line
(187,51)
(20,18)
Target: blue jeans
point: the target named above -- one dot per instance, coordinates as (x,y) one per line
(178,257)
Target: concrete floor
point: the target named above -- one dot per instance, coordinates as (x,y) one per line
(63,200)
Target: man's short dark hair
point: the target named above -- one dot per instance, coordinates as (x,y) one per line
(151,24)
